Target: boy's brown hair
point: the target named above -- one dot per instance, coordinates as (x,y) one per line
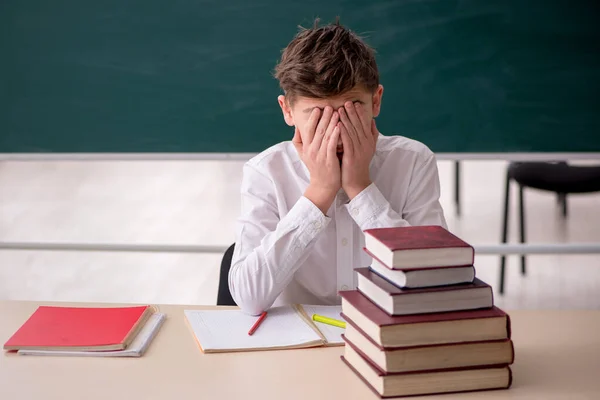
(324,62)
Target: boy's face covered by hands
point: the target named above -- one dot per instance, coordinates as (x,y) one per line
(339,131)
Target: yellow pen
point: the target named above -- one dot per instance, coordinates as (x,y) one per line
(329,321)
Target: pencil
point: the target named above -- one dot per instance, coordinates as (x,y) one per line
(257,323)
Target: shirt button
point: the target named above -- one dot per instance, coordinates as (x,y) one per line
(355,211)
(344,242)
(344,287)
(317,225)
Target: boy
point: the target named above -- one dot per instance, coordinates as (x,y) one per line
(306,202)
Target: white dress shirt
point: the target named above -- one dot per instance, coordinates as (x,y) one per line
(287,251)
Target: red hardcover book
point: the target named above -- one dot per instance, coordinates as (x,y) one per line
(469,379)
(429,357)
(399,301)
(418,247)
(79,328)
(423,277)
(421,329)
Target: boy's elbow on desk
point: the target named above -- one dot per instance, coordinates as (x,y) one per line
(251,305)
(248,294)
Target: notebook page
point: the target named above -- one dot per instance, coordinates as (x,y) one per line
(333,334)
(228,329)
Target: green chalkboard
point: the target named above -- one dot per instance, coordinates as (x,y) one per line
(195,75)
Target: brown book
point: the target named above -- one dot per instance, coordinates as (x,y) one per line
(420,329)
(428,357)
(418,247)
(398,301)
(426,382)
(423,277)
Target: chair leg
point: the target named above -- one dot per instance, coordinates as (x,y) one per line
(522,225)
(457,186)
(563,203)
(504,231)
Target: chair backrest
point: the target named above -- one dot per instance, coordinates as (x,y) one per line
(556,177)
(224,295)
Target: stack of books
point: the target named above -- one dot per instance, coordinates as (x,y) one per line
(87,331)
(420,321)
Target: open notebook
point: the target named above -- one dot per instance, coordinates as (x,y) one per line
(286,327)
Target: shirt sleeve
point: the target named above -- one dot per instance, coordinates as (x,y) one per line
(269,249)
(370,209)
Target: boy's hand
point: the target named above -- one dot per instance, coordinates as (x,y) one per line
(359,136)
(317,149)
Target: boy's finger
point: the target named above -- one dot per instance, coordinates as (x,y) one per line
(346,120)
(348,127)
(311,125)
(332,124)
(322,127)
(351,111)
(364,121)
(346,141)
(332,144)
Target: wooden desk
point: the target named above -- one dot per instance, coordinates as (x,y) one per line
(557,357)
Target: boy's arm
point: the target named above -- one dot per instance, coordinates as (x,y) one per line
(370,209)
(269,249)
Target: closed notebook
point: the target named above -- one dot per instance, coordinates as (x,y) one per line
(136,348)
(421,329)
(398,301)
(418,247)
(426,382)
(428,357)
(285,327)
(80,328)
(424,277)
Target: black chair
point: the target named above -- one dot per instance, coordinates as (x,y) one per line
(561,178)
(224,295)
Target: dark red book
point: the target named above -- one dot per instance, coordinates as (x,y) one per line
(436,381)
(418,247)
(428,357)
(421,329)
(423,277)
(402,301)
(80,328)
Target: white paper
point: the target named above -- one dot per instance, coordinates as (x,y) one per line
(135,349)
(333,334)
(228,329)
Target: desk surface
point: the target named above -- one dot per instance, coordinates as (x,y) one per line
(557,357)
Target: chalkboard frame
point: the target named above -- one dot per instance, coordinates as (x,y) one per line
(508,156)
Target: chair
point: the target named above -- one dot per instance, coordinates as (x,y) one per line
(561,178)
(224,295)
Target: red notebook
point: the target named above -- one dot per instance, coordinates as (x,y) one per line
(421,329)
(418,247)
(79,328)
